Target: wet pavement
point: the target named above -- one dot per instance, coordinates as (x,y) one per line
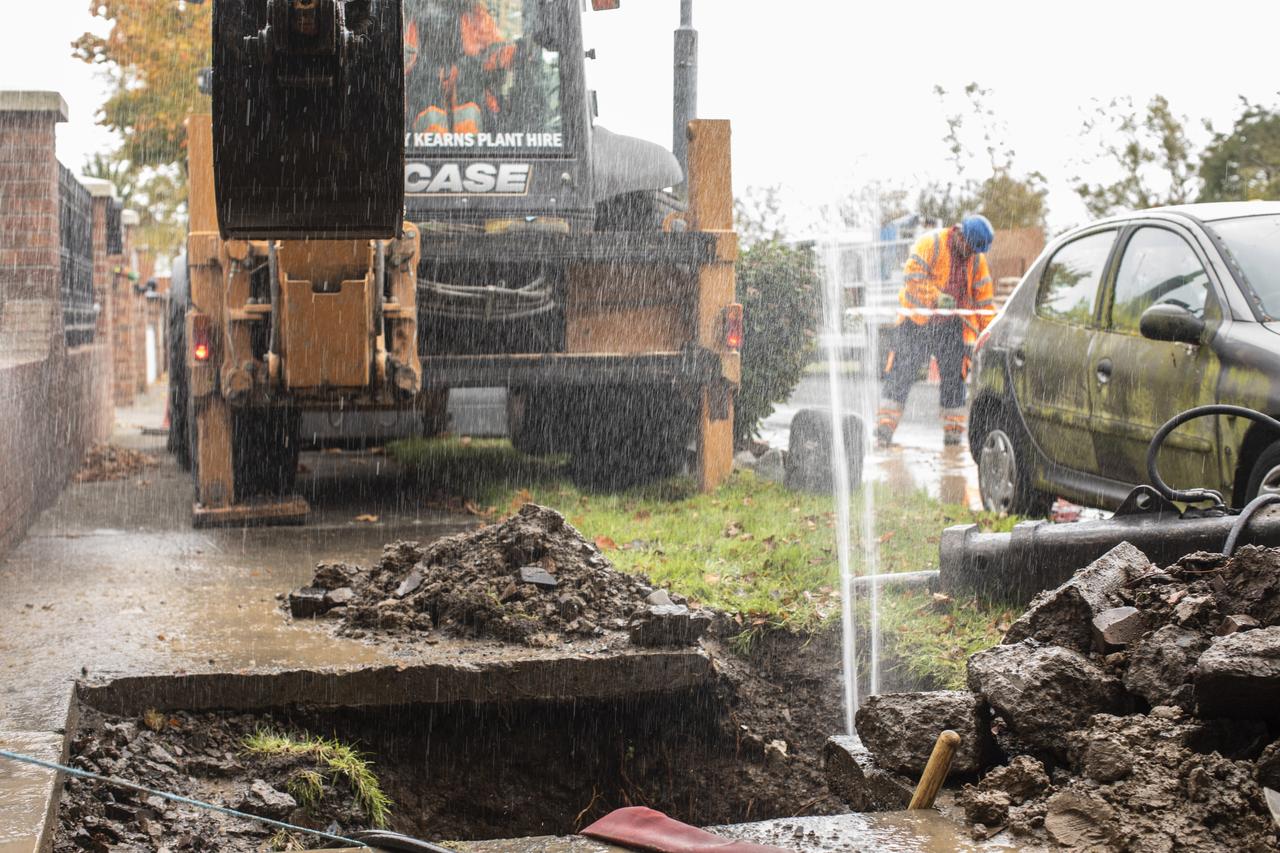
(916,461)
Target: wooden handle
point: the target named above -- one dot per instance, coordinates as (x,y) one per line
(935,772)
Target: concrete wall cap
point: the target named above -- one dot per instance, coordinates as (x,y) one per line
(130,217)
(14,101)
(97,187)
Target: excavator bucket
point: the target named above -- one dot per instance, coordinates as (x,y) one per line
(308,118)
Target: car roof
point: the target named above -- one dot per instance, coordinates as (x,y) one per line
(1206,212)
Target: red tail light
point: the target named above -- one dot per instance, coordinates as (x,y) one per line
(733,326)
(200,349)
(604,5)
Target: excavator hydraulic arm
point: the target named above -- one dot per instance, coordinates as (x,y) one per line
(308,118)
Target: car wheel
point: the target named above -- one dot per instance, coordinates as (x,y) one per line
(1265,477)
(1004,475)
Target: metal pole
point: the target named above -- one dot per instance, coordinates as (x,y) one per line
(685,100)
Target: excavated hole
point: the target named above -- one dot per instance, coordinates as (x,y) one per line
(456,771)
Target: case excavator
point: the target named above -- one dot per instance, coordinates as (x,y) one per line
(393,198)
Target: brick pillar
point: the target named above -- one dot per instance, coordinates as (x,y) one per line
(30,322)
(32,350)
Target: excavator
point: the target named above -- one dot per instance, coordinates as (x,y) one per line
(393,198)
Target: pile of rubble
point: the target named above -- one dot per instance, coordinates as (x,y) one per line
(530,579)
(109,462)
(1132,708)
(201,756)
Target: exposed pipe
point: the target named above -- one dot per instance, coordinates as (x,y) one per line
(685,97)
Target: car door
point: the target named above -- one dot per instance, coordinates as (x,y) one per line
(1136,383)
(1049,365)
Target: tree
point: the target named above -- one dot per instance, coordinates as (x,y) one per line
(758,215)
(780,288)
(1009,200)
(1245,163)
(152,53)
(1151,149)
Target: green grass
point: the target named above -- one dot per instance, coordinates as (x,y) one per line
(752,548)
(340,761)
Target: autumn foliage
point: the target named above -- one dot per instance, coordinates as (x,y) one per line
(153,52)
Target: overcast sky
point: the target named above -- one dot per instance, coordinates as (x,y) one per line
(826,95)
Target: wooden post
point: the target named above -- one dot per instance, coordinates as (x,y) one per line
(711,211)
(935,771)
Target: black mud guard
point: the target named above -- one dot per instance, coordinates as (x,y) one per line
(308,119)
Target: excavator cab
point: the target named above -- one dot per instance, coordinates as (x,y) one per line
(308,99)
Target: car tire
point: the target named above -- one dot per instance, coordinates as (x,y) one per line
(1265,476)
(1002,455)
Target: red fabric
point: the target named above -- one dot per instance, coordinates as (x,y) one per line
(645,829)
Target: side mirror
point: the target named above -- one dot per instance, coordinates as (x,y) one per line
(1165,321)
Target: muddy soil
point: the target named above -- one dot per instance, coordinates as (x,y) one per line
(109,462)
(1178,757)
(531,579)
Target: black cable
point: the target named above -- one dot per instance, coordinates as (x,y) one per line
(1246,514)
(1153,449)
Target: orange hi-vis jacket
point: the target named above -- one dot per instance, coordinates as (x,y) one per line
(481,41)
(925,277)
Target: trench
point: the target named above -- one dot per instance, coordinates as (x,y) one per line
(458,770)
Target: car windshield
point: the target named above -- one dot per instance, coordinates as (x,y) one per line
(478,75)
(1253,242)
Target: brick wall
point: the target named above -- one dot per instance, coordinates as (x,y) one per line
(53,402)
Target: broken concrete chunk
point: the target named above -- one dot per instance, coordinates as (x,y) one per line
(1117,627)
(1196,611)
(537,576)
(340,597)
(668,625)
(899,729)
(410,584)
(852,775)
(307,602)
(1239,622)
(1161,664)
(1239,675)
(265,801)
(659,597)
(1063,616)
(1043,692)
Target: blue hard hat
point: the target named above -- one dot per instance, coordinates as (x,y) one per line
(978,232)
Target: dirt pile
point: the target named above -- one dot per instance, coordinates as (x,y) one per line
(1134,708)
(109,462)
(530,579)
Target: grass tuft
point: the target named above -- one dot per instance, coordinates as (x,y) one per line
(307,787)
(341,761)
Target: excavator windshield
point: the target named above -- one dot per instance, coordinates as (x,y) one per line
(480,74)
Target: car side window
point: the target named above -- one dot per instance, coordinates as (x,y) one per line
(1069,285)
(1158,266)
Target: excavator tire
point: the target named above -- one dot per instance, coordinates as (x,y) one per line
(308,145)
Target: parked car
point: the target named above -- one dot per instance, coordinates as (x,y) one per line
(1118,326)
